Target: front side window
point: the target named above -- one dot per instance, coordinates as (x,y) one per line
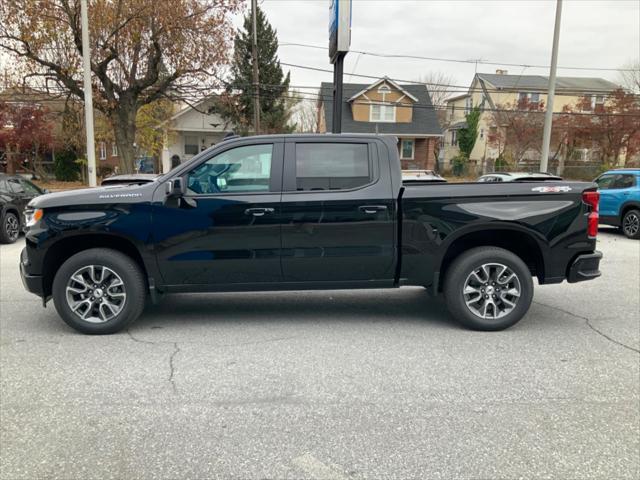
(240,169)
(383,113)
(332,166)
(407,149)
(605,182)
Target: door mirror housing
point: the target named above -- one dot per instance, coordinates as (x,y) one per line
(176,187)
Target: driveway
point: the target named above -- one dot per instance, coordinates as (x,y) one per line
(327,385)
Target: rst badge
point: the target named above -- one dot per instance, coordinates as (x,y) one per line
(560,189)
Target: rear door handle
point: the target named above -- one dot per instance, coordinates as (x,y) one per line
(371,209)
(258,212)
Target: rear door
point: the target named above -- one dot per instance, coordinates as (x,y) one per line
(615,190)
(226,229)
(337,212)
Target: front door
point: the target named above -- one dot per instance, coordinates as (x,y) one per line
(226,229)
(337,213)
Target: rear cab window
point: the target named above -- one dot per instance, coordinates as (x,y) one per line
(332,166)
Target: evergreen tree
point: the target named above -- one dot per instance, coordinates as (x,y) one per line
(237,104)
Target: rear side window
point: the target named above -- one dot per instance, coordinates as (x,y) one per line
(15,186)
(624,181)
(332,166)
(4,188)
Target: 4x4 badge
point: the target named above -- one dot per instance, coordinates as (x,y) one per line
(551,189)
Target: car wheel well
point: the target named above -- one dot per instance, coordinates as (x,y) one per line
(518,243)
(59,252)
(626,208)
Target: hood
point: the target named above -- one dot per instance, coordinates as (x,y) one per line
(96,196)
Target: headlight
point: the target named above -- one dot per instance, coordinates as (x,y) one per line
(32,216)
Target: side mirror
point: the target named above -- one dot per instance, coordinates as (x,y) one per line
(176,187)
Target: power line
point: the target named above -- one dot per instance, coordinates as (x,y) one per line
(454,60)
(462,88)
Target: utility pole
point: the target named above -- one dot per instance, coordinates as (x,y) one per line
(338,68)
(256,74)
(88,96)
(548,118)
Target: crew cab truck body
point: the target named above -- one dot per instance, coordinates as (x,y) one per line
(292,212)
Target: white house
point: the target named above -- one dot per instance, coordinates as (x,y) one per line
(191,130)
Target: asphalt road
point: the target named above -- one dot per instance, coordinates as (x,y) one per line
(327,385)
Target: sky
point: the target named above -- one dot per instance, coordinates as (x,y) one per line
(594,33)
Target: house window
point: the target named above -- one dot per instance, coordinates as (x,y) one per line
(468,105)
(454,138)
(534,98)
(528,99)
(102,151)
(383,113)
(482,133)
(190,145)
(597,103)
(114,150)
(407,149)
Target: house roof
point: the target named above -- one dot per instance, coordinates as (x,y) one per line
(541,82)
(384,79)
(424,118)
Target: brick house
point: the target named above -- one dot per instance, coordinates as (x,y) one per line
(387,107)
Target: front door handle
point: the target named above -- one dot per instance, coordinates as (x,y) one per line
(371,209)
(258,212)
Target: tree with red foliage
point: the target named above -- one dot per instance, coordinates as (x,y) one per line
(25,134)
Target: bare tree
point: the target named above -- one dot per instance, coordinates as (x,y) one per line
(305,115)
(439,86)
(629,77)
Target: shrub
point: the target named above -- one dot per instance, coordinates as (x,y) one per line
(65,167)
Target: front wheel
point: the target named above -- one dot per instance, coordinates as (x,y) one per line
(10,229)
(631,224)
(99,291)
(488,288)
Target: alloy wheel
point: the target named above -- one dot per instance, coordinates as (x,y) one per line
(12,227)
(491,291)
(95,293)
(631,224)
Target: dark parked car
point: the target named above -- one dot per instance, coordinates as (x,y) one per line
(291,212)
(130,179)
(15,193)
(518,177)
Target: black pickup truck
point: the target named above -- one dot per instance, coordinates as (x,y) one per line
(294,212)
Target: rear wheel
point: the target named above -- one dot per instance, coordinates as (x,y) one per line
(631,224)
(10,228)
(99,291)
(488,288)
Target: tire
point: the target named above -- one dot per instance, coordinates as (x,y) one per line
(467,281)
(116,302)
(630,224)
(10,228)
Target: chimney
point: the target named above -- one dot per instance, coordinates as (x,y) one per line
(501,72)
